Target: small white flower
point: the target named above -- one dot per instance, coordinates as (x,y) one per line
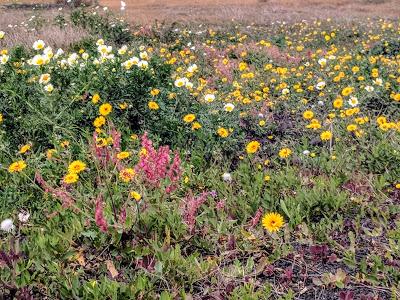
(321,85)
(7,225)
(180,82)
(189,85)
(227,177)
(322,62)
(49,88)
(143,64)
(192,68)
(4,59)
(369,88)
(378,81)
(38,45)
(23,216)
(229,107)
(306,152)
(209,97)
(320,103)
(353,101)
(285,91)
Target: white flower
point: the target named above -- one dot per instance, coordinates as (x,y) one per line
(59,52)
(180,82)
(321,85)
(122,50)
(100,42)
(23,216)
(143,64)
(49,88)
(378,81)
(44,78)
(7,225)
(322,62)
(369,88)
(209,97)
(38,45)
(229,107)
(189,85)
(227,177)
(143,55)
(306,152)
(85,55)
(353,101)
(320,103)
(38,60)
(192,68)
(285,91)
(4,59)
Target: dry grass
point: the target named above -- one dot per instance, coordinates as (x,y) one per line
(14,22)
(145,11)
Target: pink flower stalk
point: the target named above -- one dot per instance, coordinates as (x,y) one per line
(256,219)
(156,165)
(58,193)
(220,205)
(190,207)
(122,216)
(99,214)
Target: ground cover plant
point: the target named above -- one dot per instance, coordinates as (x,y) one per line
(199,161)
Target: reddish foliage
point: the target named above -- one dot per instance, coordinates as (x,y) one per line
(58,193)
(99,214)
(189,209)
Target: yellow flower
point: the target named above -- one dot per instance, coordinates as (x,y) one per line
(153,105)
(337,103)
(50,152)
(272,222)
(347,91)
(135,195)
(351,127)
(308,114)
(76,167)
(127,174)
(134,137)
(154,92)
(123,105)
(95,98)
(71,178)
(196,125)
(25,148)
(105,109)
(64,144)
(253,147)
(267,178)
(1,118)
(99,121)
(123,155)
(326,135)
(189,118)
(222,132)
(17,166)
(285,153)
